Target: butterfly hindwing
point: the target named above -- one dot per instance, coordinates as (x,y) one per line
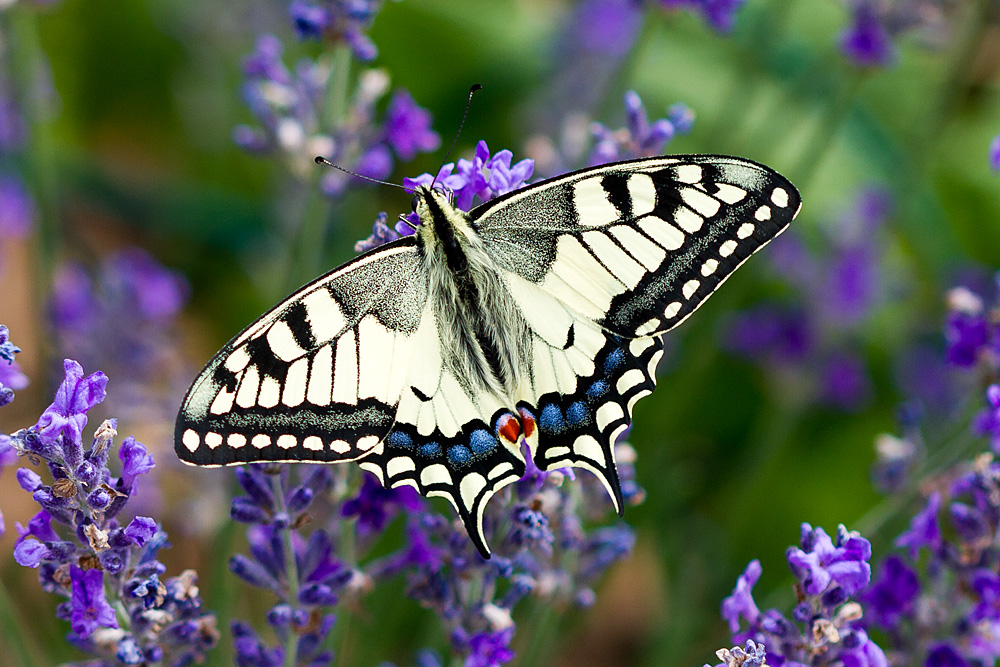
(584,384)
(318,377)
(446,440)
(637,246)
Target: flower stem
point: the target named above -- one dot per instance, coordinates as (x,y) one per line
(304,260)
(21,649)
(291,570)
(826,129)
(27,57)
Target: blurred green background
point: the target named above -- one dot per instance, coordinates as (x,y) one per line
(133,146)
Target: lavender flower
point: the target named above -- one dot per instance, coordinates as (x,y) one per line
(809,341)
(875,26)
(640,138)
(825,627)
(143,298)
(344,21)
(290,107)
(752,655)
(471,181)
(17,209)
(970,331)
(11,377)
(867,42)
(85,553)
(543,550)
(720,14)
(987,422)
(607,27)
(995,154)
(408,127)
(300,570)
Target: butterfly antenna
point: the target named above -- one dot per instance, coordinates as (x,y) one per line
(468,103)
(322,160)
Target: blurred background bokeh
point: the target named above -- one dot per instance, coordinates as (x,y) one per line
(153,202)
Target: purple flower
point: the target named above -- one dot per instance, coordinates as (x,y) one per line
(995,154)
(845,382)
(819,562)
(162,623)
(490,649)
(741,602)
(309,20)
(408,127)
(945,655)
(381,234)
(893,594)
(11,377)
(967,331)
(90,609)
(337,20)
(720,14)
(484,177)
(373,504)
(867,42)
(987,422)
(157,292)
(641,137)
(140,530)
(924,529)
(67,414)
(778,334)
(607,27)
(135,461)
(17,209)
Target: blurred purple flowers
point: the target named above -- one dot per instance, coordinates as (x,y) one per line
(346,21)
(639,138)
(295,123)
(95,554)
(812,339)
(719,14)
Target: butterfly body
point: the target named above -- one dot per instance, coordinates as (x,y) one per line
(535,316)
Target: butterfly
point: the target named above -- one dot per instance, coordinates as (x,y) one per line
(536,316)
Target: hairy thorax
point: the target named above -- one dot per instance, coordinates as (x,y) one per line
(484,337)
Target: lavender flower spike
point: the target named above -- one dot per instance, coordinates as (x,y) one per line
(11,377)
(119,610)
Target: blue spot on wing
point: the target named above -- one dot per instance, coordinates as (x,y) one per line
(399,440)
(482,442)
(552,419)
(576,414)
(430,449)
(614,360)
(459,455)
(598,389)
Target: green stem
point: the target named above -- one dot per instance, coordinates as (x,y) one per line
(304,260)
(25,52)
(291,569)
(20,648)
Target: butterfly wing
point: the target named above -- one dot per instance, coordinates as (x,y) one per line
(603,259)
(319,376)
(584,383)
(637,246)
(448,440)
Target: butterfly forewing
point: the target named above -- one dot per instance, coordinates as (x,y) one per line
(637,246)
(318,377)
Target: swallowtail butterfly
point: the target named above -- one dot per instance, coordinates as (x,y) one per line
(535,316)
